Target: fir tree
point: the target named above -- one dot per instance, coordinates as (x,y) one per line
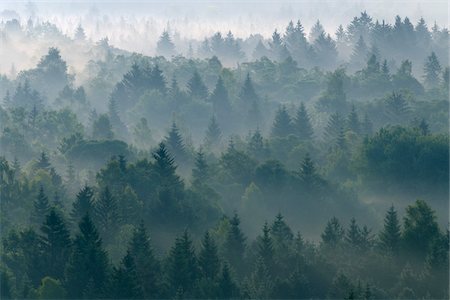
(234,246)
(333,128)
(390,235)
(200,173)
(175,144)
(197,89)
(125,283)
(227,287)
(41,208)
(220,101)
(353,235)
(259,285)
(432,70)
(213,134)
(281,234)
(256,147)
(102,128)
(333,233)
(87,270)
(353,123)
(182,266)
(367,126)
(83,204)
(316,31)
(43,162)
(165,46)
(147,266)
(282,126)
(106,214)
(265,247)
(302,124)
(56,244)
(359,55)
(208,258)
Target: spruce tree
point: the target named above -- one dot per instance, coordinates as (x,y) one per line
(107,214)
(125,282)
(56,244)
(265,247)
(196,88)
(308,173)
(282,126)
(166,168)
(281,234)
(359,55)
(165,46)
(256,147)
(200,172)
(333,128)
(302,124)
(353,123)
(333,233)
(43,162)
(353,234)
(102,129)
(41,208)
(247,95)
(87,270)
(390,235)
(259,285)
(147,265)
(367,126)
(208,258)
(227,287)
(221,102)
(83,204)
(234,246)
(175,144)
(182,266)
(432,70)
(213,134)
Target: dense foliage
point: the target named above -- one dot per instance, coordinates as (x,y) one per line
(277,178)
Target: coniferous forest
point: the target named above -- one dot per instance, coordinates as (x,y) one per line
(310,162)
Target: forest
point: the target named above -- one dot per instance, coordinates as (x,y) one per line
(305,164)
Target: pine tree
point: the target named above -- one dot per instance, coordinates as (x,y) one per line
(333,128)
(182,269)
(256,147)
(56,244)
(316,31)
(390,236)
(308,173)
(397,108)
(175,144)
(196,88)
(41,208)
(359,55)
(208,258)
(147,266)
(234,246)
(333,233)
(247,95)
(432,70)
(200,173)
(259,285)
(118,127)
(265,247)
(302,124)
(213,134)
(353,123)
(80,35)
(220,101)
(166,168)
(87,270)
(282,235)
(282,126)
(106,214)
(125,282)
(227,287)
(353,235)
(83,204)
(165,46)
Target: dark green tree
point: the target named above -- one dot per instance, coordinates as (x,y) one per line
(221,102)
(87,270)
(147,265)
(175,144)
(282,125)
(390,235)
(196,88)
(83,204)
(265,247)
(56,244)
(432,70)
(102,129)
(125,283)
(107,214)
(213,134)
(208,258)
(234,246)
(182,268)
(333,233)
(302,124)
(353,123)
(41,208)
